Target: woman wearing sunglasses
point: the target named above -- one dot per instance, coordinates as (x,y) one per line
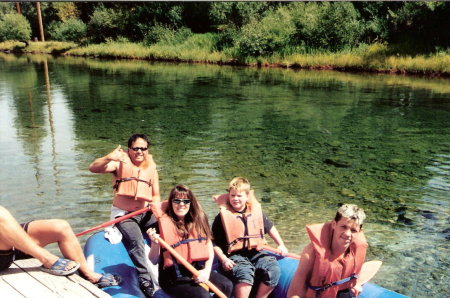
(183,225)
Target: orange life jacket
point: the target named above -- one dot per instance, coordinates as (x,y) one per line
(194,248)
(326,271)
(243,230)
(135,182)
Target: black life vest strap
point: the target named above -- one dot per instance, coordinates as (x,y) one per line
(118,181)
(335,283)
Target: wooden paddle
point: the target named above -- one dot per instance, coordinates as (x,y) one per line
(278,252)
(189,267)
(368,271)
(111,222)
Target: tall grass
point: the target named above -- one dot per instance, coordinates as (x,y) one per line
(202,48)
(196,48)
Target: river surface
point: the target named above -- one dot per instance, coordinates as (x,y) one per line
(307,141)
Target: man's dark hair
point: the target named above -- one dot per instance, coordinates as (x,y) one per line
(137,136)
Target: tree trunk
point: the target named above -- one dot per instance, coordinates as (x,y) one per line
(41,28)
(18,8)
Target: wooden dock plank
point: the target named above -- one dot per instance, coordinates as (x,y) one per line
(25,284)
(24,279)
(7,291)
(96,292)
(63,286)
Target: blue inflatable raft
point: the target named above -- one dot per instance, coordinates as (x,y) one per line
(113,258)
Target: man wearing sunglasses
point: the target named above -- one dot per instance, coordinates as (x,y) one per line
(136,185)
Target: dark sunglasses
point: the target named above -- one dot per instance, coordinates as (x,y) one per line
(179,201)
(135,149)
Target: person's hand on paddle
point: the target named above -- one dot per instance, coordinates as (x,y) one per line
(203,276)
(153,235)
(283,250)
(228,264)
(118,155)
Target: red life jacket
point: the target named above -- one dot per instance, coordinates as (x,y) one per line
(243,230)
(326,271)
(193,249)
(135,182)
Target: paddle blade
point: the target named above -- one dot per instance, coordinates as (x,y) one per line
(368,271)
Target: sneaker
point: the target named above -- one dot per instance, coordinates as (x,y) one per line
(146,287)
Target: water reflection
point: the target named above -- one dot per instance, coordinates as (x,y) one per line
(306,140)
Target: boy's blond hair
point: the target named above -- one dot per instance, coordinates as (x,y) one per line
(351,211)
(239,184)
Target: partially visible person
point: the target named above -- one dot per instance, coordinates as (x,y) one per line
(184,226)
(330,263)
(27,241)
(238,233)
(136,185)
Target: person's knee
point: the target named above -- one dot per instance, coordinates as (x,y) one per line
(227,288)
(271,275)
(4,214)
(269,271)
(62,227)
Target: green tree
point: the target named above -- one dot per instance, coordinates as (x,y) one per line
(6,8)
(14,27)
(106,23)
(326,25)
(70,30)
(236,13)
(269,35)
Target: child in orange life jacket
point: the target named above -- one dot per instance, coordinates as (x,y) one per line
(183,225)
(238,233)
(333,258)
(136,185)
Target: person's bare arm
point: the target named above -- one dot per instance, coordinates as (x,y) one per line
(227,264)
(108,163)
(298,285)
(273,233)
(154,248)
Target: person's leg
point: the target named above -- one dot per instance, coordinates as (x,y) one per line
(59,231)
(242,290)
(13,235)
(268,272)
(134,243)
(186,289)
(222,283)
(243,274)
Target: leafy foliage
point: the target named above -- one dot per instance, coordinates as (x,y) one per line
(267,36)
(14,27)
(71,30)
(166,35)
(106,23)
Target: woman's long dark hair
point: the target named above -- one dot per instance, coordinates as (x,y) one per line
(195,219)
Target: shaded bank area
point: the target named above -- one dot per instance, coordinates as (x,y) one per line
(376,58)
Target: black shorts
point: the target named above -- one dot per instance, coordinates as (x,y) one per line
(9,256)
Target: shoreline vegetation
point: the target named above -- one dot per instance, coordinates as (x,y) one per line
(368,58)
(398,37)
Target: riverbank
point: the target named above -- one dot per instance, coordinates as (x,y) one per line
(372,58)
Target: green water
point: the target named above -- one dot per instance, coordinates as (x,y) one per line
(306,140)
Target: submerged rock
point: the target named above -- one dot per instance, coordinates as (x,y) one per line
(337,163)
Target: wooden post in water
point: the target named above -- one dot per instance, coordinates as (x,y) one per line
(41,28)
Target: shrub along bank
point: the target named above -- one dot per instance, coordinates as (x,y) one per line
(405,37)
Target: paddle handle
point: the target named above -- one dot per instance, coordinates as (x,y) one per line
(278,252)
(189,267)
(111,222)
